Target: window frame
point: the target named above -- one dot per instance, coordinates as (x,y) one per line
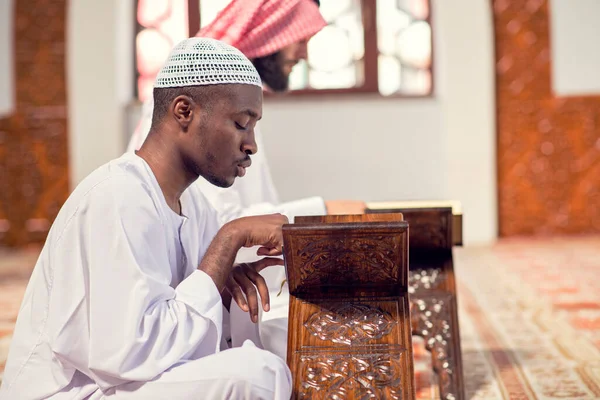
(370,85)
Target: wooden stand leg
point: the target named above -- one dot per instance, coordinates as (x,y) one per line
(433,316)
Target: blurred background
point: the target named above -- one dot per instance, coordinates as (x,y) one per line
(494,103)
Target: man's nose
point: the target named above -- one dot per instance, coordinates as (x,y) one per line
(302,51)
(249,146)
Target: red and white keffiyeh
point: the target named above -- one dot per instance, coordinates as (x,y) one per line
(262,27)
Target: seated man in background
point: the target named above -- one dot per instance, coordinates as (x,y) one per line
(126,299)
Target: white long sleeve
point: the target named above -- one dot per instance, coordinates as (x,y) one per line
(141,325)
(111,299)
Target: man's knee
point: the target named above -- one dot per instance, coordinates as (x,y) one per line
(263,370)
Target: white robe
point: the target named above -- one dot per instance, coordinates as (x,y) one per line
(116,307)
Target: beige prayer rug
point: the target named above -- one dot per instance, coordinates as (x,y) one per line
(529,318)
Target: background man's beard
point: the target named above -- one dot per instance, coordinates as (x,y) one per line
(271,72)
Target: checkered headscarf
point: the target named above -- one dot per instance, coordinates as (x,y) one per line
(262,27)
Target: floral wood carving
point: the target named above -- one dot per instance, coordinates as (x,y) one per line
(335,260)
(431,319)
(350,324)
(351,376)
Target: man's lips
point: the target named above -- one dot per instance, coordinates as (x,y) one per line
(241,168)
(246,163)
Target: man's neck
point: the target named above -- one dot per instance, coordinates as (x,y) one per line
(166,163)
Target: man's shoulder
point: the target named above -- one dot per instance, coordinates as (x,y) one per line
(125,175)
(121,184)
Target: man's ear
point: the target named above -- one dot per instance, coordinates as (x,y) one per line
(183,109)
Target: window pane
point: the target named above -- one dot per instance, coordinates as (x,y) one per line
(417,8)
(152,50)
(414,45)
(209,10)
(330,10)
(299,76)
(390,21)
(338,79)
(389,72)
(163,23)
(335,55)
(415,81)
(331,50)
(404,43)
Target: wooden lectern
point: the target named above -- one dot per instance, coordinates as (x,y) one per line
(349,329)
(435,227)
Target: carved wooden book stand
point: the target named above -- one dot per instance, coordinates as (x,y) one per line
(349,333)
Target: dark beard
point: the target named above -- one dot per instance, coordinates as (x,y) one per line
(271,72)
(212,178)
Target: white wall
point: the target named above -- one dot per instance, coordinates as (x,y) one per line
(360,148)
(466,72)
(574,33)
(339,147)
(403,149)
(99,65)
(7,87)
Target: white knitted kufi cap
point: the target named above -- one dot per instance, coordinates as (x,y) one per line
(202,61)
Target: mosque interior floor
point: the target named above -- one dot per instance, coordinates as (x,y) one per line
(529,313)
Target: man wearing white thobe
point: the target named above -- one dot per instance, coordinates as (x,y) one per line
(126,299)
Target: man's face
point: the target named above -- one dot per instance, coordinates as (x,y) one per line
(275,69)
(291,55)
(221,136)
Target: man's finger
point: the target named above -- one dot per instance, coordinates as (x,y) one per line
(249,290)
(261,285)
(269,251)
(265,263)
(237,294)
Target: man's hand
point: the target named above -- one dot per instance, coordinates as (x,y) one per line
(345,207)
(245,280)
(262,230)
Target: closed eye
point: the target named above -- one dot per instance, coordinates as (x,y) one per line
(240,127)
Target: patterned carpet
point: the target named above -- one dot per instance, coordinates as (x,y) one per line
(530,319)
(529,315)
